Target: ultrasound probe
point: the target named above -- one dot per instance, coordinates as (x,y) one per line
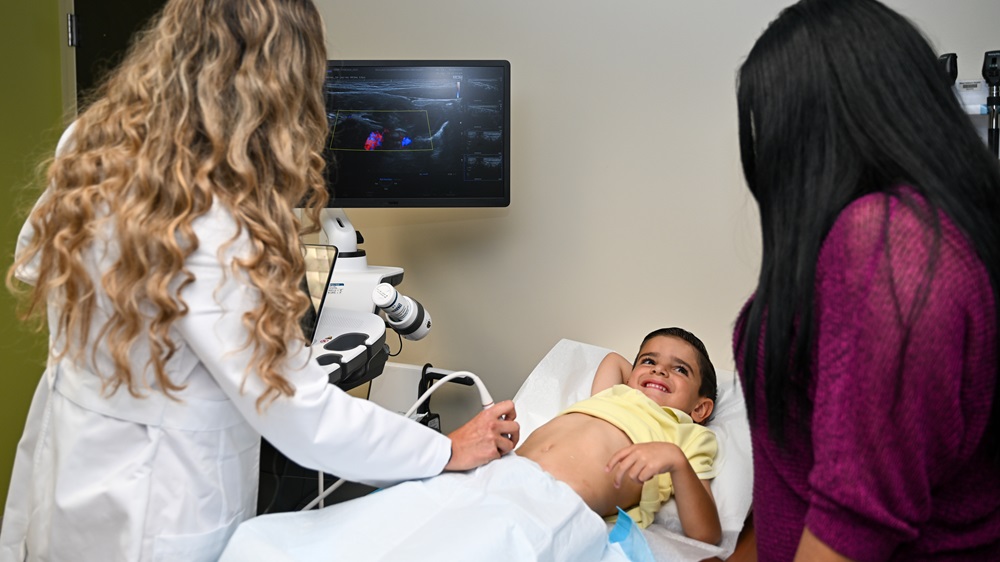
(991,73)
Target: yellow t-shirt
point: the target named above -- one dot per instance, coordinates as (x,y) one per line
(645,421)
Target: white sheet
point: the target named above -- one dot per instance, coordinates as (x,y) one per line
(564,377)
(509,510)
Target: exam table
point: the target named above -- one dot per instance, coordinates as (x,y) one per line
(561,378)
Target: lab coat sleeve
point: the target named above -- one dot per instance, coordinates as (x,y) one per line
(28,273)
(320,427)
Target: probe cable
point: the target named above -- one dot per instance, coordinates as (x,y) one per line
(484,397)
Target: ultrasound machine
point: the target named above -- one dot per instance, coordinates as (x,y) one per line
(403,134)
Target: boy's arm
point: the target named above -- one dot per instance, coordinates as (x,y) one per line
(614,369)
(695,504)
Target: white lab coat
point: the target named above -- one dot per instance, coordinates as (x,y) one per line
(120,478)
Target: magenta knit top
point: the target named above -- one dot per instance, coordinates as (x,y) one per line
(889,466)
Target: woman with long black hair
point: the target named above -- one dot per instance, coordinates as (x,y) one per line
(869,348)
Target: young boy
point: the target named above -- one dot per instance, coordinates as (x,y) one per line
(634,444)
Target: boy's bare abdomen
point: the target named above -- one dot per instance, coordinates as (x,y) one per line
(575,448)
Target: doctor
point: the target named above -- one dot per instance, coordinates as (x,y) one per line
(166,257)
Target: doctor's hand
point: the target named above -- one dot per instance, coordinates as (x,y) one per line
(492,433)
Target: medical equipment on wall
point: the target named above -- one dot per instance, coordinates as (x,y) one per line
(426,151)
(979,98)
(991,74)
(413,133)
(484,396)
(404,315)
(423,150)
(949,63)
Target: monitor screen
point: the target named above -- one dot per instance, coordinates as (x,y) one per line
(418,133)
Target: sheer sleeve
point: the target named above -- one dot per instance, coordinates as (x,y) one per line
(901,318)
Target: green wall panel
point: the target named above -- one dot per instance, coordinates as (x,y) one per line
(30,124)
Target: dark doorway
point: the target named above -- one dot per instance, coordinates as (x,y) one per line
(103,30)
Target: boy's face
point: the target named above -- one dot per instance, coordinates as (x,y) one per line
(666,370)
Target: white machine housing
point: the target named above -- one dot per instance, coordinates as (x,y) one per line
(353,279)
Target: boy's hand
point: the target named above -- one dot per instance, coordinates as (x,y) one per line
(695,507)
(643,461)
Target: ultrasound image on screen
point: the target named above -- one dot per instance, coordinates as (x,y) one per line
(417,135)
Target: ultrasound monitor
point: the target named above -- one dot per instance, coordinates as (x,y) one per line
(411,133)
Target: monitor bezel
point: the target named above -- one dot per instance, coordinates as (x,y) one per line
(502,200)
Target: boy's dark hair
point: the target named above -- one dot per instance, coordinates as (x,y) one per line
(709,384)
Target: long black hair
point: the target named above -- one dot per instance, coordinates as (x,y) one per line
(839,99)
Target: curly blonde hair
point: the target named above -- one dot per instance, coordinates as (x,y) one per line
(217,100)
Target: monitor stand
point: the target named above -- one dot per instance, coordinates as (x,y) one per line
(353,279)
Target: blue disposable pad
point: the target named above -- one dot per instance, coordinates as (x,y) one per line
(629,537)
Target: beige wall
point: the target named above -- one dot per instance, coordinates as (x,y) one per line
(628,209)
